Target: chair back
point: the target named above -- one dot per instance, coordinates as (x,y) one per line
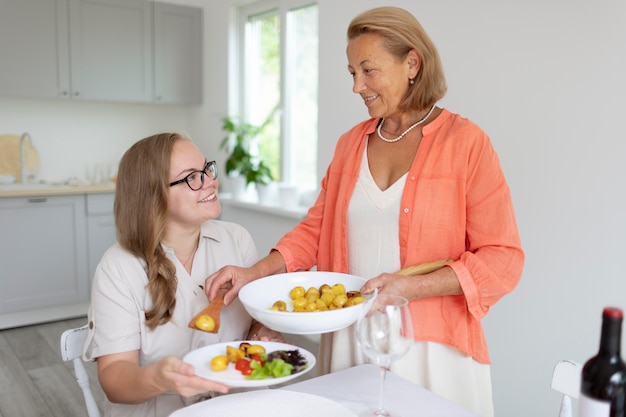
(72,343)
(566,380)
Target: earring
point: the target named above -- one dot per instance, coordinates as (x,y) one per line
(411,81)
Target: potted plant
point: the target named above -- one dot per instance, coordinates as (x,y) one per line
(241,165)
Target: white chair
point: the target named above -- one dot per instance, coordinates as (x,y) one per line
(72,342)
(566,380)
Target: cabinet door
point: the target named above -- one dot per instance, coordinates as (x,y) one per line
(178,54)
(43,260)
(100,227)
(34,48)
(111,50)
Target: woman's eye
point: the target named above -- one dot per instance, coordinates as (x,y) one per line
(192,177)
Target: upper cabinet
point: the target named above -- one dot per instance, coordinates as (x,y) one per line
(34,50)
(102,50)
(177,54)
(111,50)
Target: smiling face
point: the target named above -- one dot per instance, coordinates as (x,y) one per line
(380,78)
(185,206)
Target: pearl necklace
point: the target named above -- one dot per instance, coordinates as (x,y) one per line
(419,122)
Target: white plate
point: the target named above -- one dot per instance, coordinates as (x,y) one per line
(266,403)
(201,360)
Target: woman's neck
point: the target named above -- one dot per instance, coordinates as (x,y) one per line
(184,243)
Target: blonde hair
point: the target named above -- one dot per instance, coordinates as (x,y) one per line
(402,32)
(140,209)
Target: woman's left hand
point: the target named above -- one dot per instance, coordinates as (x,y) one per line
(264,334)
(387,283)
(438,283)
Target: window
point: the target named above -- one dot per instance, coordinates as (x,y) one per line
(278,84)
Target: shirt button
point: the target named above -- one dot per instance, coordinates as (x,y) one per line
(91,324)
(406,210)
(412,178)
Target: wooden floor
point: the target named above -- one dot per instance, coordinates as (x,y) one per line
(34,380)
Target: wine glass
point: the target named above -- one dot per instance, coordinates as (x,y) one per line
(385,334)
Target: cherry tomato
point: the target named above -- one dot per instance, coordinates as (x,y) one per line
(241,364)
(246,371)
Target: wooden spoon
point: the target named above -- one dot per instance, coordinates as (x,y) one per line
(424,268)
(213,310)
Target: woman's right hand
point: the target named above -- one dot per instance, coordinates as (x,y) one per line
(180,377)
(232,278)
(125,382)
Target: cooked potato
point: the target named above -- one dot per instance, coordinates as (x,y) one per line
(324,298)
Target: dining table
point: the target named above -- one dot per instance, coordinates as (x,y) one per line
(344,393)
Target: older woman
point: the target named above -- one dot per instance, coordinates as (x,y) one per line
(149,285)
(414,183)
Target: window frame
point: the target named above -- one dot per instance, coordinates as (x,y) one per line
(238,86)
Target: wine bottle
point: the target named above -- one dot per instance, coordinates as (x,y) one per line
(603,380)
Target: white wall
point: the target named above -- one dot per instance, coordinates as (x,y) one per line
(544,78)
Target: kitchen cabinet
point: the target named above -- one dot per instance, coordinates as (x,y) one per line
(101,50)
(177,54)
(34,48)
(111,49)
(100,227)
(43,259)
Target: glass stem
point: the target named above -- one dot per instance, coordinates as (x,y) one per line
(381,411)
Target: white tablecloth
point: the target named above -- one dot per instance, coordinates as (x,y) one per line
(357,389)
(353,390)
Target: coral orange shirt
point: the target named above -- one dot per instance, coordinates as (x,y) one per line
(456,204)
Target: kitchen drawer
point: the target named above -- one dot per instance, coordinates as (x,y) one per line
(100,204)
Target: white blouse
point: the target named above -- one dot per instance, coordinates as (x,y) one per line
(373,225)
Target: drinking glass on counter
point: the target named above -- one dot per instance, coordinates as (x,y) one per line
(385,334)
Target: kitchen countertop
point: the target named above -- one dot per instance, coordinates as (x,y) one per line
(43,189)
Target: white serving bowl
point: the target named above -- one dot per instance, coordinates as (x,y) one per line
(258,297)
(7,179)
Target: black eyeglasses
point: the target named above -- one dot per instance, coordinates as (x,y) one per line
(195,180)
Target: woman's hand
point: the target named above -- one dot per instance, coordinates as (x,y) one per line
(178,376)
(232,278)
(441,282)
(125,382)
(388,283)
(264,334)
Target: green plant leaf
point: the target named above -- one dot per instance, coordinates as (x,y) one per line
(239,136)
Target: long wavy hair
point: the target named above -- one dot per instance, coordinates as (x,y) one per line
(402,32)
(140,217)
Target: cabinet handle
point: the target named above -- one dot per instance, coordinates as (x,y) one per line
(37,200)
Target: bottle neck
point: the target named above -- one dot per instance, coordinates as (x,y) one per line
(610,340)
